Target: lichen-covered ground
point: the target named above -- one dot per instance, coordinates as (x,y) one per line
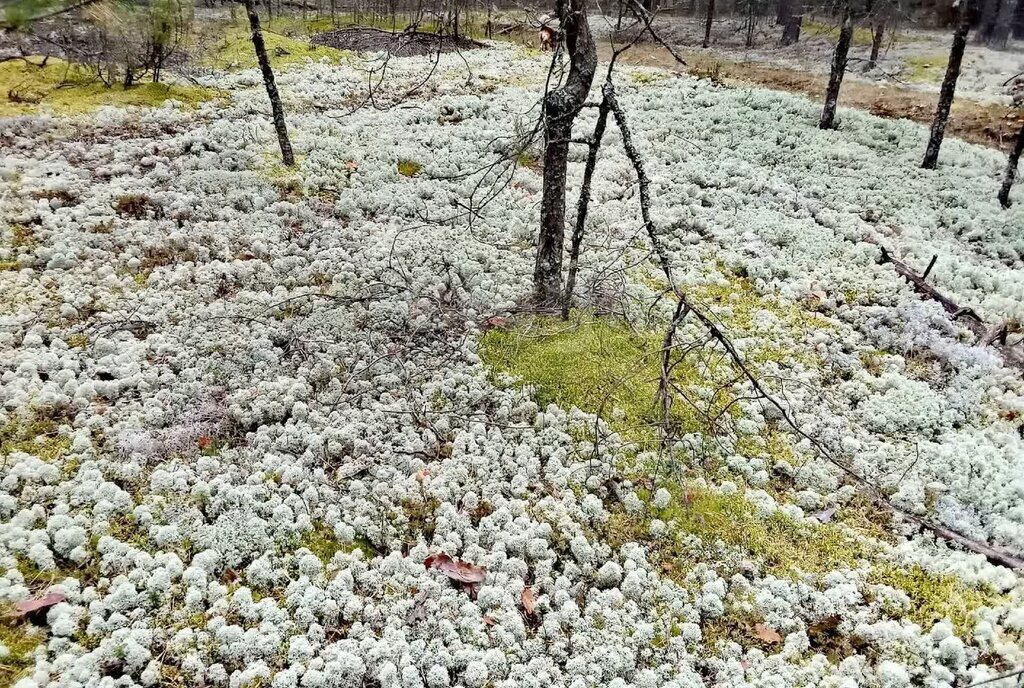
(242,405)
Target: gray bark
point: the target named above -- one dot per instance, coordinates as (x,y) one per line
(946,93)
(583,206)
(560,109)
(707,23)
(287,156)
(878,33)
(1011,169)
(835,80)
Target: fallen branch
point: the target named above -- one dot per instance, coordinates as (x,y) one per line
(986,336)
(665,381)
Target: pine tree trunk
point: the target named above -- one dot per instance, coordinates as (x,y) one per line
(791,31)
(835,80)
(877,35)
(560,109)
(287,156)
(946,93)
(783,11)
(1011,169)
(707,23)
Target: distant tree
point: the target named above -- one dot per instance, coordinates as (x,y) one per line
(946,93)
(707,23)
(287,156)
(1000,37)
(790,20)
(840,57)
(560,108)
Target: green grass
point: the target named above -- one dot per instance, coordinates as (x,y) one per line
(68,88)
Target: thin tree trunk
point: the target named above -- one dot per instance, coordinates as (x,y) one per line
(956,56)
(287,156)
(1011,169)
(707,23)
(583,206)
(835,80)
(876,43)
(560,109)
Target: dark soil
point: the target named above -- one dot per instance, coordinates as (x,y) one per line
(398,44)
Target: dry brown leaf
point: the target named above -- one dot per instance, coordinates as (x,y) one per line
(27,609)
(489,621)
(457,570)
(528,600)
(767,634)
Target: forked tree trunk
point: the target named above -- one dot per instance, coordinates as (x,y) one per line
(287,156)
(560,109)
(1011,169)
(956,56)
(707,23)
(878,33)
(835,80)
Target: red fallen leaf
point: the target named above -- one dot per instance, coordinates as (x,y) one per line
(230,575)
(489,621)
(28,609)
(460,571)
(745,663)
(767,634)
(204,441)
(351,165)
(528,600)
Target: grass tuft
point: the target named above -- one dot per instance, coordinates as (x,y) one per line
(409,168)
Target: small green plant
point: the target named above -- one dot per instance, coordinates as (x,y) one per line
(21,640)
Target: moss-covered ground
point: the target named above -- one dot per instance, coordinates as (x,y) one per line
(67,88)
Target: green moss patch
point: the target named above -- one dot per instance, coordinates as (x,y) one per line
(21,641)
(409,168)
(232,49)
(926,68)
(322,542)
(27,86)
(37,436)
(935,596)
(778,544)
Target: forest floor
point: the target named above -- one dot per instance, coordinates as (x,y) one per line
(244,408)
(904,85)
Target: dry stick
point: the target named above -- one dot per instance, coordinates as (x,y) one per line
(583,206)
(993,554)
(986,335)
(665,382)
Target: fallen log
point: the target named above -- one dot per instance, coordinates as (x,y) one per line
(996,336)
